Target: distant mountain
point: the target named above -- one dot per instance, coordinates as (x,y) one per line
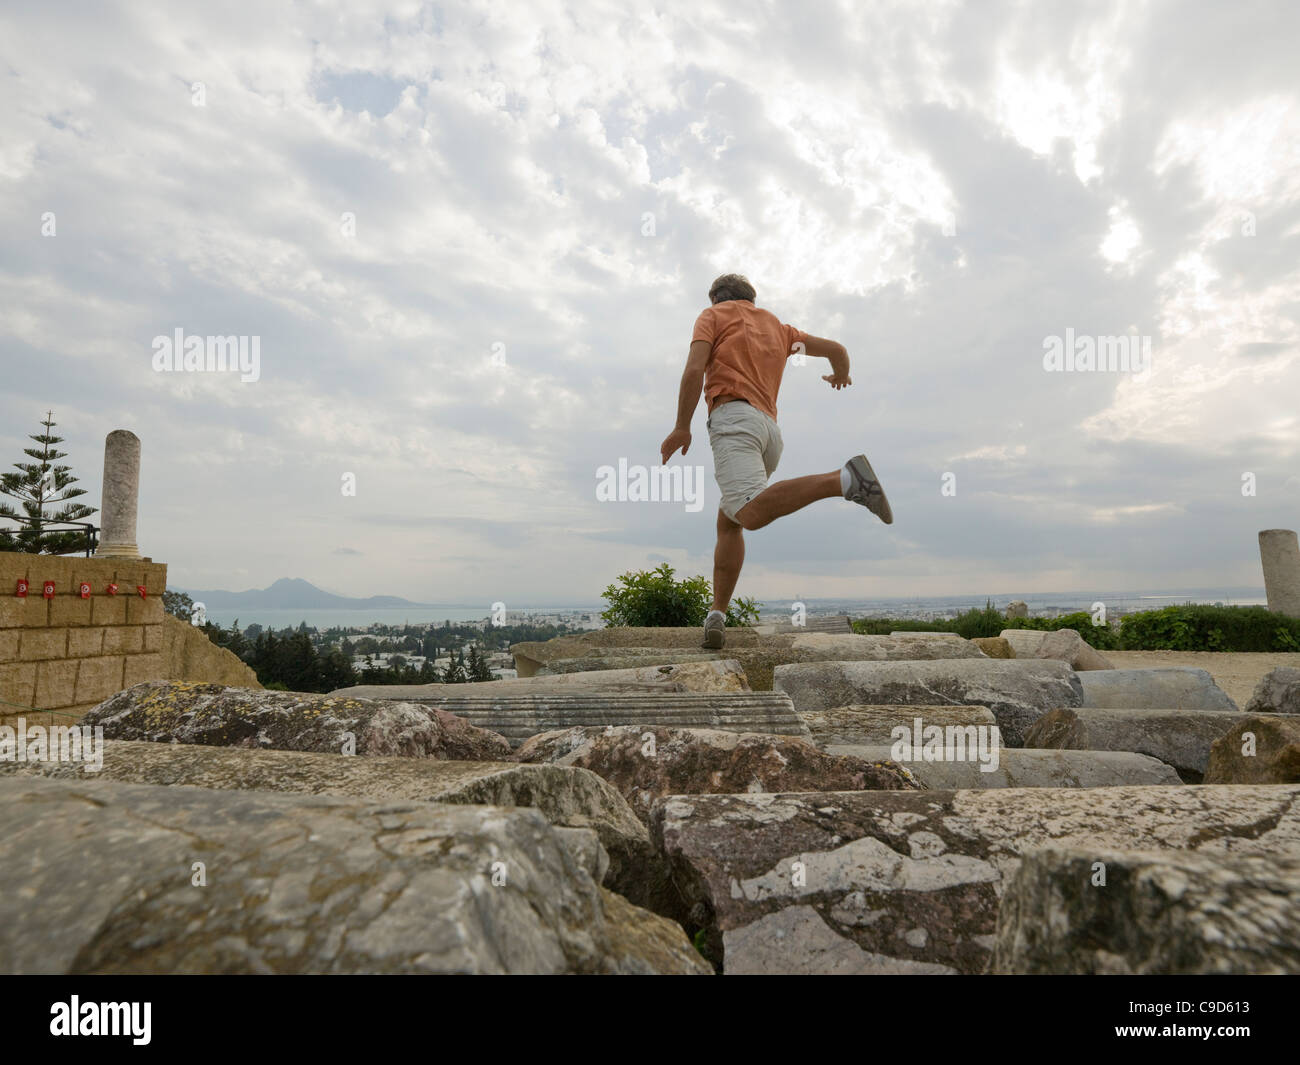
(293,593)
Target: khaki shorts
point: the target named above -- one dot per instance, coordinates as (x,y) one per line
(746,448)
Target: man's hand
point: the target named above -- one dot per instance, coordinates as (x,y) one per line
(678,438)
(838,381)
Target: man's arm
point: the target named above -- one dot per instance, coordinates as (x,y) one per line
(688,398)
(838,355)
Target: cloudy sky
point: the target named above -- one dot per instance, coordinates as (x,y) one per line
(472,240)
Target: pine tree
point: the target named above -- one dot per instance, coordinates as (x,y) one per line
(41,486)
(455,673)
(478,667)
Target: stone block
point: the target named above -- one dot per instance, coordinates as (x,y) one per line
(98,678)
(37,644)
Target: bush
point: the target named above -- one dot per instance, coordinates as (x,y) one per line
(974,622)
(1210,628)
(654,599)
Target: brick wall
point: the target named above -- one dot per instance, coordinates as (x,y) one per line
(67,653)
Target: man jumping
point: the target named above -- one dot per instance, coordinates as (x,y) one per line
(737,357)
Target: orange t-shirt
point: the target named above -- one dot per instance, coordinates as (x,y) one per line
(750,346)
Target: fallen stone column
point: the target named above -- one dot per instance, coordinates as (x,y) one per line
(1157,912)
(1025,642)
(1017,692)
(1015,767)
(1279,553)
(1179,687)
(1179,738)
(873,725)
(195,880)
(905,881)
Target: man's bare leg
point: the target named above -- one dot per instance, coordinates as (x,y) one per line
(785,497)
(728,557)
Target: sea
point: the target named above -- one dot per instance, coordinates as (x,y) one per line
(1040,604)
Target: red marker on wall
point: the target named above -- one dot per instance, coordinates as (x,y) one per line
(112,589)
(21,593)
(47,590)
(143,594)
(83,589)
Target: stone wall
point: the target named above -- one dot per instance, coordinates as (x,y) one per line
(67,653)
(188,654)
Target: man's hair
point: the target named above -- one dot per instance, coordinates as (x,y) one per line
(731,287)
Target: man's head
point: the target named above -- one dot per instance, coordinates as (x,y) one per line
(731,287)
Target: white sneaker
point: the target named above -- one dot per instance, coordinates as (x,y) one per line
(865,489)
(715,630)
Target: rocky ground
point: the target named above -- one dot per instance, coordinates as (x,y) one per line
(812,803)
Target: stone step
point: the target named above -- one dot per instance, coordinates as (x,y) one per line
(910,881)
(1184,687)
(517,717)
(982,766)
(1017,692)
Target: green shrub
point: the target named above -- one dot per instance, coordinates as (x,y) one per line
(652,598)
(974,622)
(1210,628)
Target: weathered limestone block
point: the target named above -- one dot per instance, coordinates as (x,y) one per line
(189,655)
(904,646)
(1024,642)
(1014,767)
(873,725)
(1159,912)
(994,646)
(1180,687)
(176,711)
(1179,738)
(573,798)
(517,717)
(1069,647)
(645,764)
(1278,692)
(698,676)
(1017,692)
(1279,553)
(626,658)
(98,876)
(908,876)
(1017,608)
(1257,749)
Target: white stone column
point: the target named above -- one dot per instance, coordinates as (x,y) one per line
(1279,551)
(120,495)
